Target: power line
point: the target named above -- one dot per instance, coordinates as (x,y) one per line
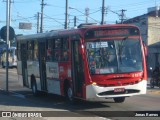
(22,18)
(94,12)
(53,19)
(84,14)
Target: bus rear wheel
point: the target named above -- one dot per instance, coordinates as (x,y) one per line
(34,87)
(119,99)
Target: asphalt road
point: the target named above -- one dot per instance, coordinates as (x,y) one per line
(21,99)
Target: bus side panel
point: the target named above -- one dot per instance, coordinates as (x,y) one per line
(53,82)
(33,69)
(53,86)
(19,67)
(64,74)
(20,80)
(56,74)
(19,72)
(52,70)
(38,83)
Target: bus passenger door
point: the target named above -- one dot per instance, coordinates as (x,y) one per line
(77,68)
(24,64)
(42,65)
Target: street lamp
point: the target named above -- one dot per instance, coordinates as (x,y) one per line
(87,15)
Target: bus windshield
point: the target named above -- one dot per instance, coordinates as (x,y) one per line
(114,56)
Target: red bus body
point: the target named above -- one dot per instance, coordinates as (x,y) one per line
(75,76)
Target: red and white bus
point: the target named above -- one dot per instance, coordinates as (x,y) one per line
(77,63)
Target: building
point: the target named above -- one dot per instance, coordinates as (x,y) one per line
(149,25)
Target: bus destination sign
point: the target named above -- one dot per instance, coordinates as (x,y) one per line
(102,33)
(98,33)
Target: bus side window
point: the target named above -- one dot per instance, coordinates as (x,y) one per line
(58,43)
(50,50)
(65,56)
(65,46)
(36,50)
(60,51)
(65,43)
(30,50)
(57,55)
(57,49)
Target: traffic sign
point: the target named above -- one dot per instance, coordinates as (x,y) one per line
(3,33)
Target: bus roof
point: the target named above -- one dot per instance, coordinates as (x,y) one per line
(70,31)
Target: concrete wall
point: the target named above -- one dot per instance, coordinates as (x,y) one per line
(150,32)
(153,30)
(153,41)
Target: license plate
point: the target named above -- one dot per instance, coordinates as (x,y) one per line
(119,90)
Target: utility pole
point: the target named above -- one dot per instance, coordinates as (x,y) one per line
(87,14)
(42,8)
(9,43)
(9,15)
(103,10)
(7,40)
(157,8)
(66,16)
(38,22)
(8,22)
(122,16)
(9,12)
(75,21)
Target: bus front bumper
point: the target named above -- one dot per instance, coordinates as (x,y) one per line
(99,93)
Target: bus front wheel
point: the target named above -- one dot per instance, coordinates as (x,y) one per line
(119,99)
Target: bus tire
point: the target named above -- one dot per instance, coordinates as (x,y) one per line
(119,99)
(69,93)
(34,86)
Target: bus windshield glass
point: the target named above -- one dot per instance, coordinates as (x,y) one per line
(114,56)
